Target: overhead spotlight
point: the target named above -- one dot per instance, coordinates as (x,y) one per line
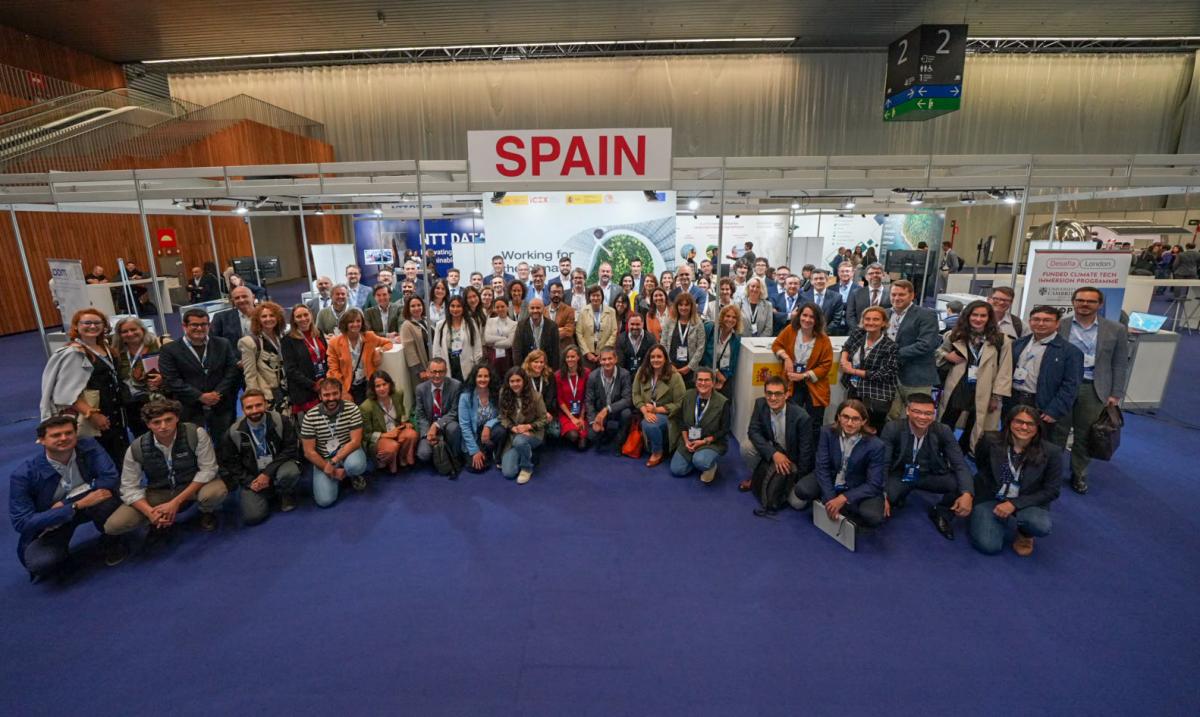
(916,198)
(650,195)
(498,197)
(377,211)
(320,212)
(967,198)
(477,210)
(795,206)
(261,201)
(693,204)
(240,209)
(198,205)
(849,203)
(179,203)
(1010,197)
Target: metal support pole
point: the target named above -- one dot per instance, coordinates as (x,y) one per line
(304,238)
(720,256)
(421,229)
(212,238)
(1054,224)
(158,301)
(37,311)
(1020,239)
(253,251)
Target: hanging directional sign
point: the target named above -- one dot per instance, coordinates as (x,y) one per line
(925,72)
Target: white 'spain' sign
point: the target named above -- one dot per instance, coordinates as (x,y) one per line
(564,157)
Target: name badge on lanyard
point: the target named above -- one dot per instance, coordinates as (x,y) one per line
(694,432)
(681,351)
(574,386)
(912,473)
(973,364)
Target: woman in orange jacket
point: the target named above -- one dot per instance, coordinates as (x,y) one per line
(807,355)
(354,356)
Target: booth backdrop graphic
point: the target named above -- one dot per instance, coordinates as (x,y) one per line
(441,235)
(1055,274)
(588,227)
(768,232)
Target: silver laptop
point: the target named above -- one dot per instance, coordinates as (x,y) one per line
(841,530)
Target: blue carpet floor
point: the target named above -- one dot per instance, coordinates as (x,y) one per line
(604,588)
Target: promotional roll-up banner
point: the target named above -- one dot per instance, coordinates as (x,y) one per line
(768,233)
(1054,274)
(583,158)
(588,227)
(68,287)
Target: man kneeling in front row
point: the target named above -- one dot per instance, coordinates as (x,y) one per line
(259,454)
(70,482)
(924,454)
(166,468)
(331,434)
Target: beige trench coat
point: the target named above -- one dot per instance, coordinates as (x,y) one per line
(993,378)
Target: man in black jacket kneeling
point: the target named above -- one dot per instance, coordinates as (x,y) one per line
(259,454)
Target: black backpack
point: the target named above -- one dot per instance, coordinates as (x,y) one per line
(771,487)
(445,461)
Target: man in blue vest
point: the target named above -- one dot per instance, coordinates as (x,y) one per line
(70,482)
(166,468)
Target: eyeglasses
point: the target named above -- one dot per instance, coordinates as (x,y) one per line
(91,323)
(1023,423)
(776,394)
(923,413)
(850,419)
(1087,301)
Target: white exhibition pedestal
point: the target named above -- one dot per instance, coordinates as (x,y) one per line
(1151,360)
(755,364)
(392,361)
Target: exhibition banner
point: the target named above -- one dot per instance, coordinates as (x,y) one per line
(1054,275)
(68,287)
(768,232)
(582,158)
(884,232)
(380,242)
(590,228)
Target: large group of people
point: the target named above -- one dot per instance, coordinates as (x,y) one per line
(135,428)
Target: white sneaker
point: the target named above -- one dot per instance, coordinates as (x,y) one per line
(523,477)
(709,475)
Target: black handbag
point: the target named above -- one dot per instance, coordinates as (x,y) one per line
(1104,437)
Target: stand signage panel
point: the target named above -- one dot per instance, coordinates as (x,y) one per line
(1055,274)
(68,287)
(924,73)
(564,157)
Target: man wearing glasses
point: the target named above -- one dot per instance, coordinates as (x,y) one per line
(1105,347)
(201,372)
(923,454)
(1047,370)
(780,436)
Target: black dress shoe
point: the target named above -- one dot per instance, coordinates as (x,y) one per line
(1079,484)
(942,522)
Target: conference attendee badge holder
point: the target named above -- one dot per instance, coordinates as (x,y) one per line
(799,366)
(575,407)
(973,365)
(681,353)
(972,372)
(911,473)
(694,433)
(319,370)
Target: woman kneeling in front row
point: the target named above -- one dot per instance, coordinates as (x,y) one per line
(850,472)
(523,415)
(479,416)
(1019,477)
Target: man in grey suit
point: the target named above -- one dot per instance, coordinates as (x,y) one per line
(323,299)
(609,401)
(234,323)
(873,294)
(435,411)
(1105,347)
(1187,264)
(915,331)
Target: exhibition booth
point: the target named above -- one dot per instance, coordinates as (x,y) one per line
(651,206)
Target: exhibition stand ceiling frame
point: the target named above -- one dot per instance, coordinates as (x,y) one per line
(354,188)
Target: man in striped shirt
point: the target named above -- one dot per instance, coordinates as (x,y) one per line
(331,435)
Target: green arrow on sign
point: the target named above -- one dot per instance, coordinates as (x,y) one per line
(921,109)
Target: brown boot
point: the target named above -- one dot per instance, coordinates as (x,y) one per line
(1023,545)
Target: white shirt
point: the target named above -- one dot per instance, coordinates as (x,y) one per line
(1007,326)
(779,425)
(71,483)
(895,320)
(1031,360)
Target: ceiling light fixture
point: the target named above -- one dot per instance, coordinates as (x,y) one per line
(1010,197)
(240,209)
(967,197)
(320,212)
(795,206)
(916,198)
(849,203)
(693,204)
(377,211)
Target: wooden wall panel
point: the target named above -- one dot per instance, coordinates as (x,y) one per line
(8,103)
(54,60)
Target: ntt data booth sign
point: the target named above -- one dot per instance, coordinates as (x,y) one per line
(564,158)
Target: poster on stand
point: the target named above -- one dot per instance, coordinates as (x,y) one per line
(883,232)
(768,233)
(1055,274)
(68,287)
(375,238)
(589,227)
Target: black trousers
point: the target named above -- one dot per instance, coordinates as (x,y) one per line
(944,483)
(867,512)
(616,428)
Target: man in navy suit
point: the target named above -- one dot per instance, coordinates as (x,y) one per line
(873,294)
(499,269)
(1047,371)
(233,324)
(829,301)
(787,302)
(70,482)
(915,331)
(780,434)
(201,372)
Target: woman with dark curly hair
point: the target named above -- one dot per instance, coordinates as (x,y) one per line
(979,359)
(523,415)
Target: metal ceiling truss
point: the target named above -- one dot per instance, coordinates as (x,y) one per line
(641,48)
(355,185)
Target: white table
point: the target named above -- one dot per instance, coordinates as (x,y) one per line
(1150,363)
(101,295)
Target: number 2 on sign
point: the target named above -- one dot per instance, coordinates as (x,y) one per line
(941,50)
(903,52)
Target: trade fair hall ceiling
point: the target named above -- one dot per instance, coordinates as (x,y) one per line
(138,30)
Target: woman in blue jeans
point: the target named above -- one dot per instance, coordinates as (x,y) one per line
(523,415)
(1019,477)
(479,419)
(657,390)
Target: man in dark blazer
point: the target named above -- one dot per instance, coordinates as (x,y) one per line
(435,411)
(563,278)
(780,434)
(634,344)
(915,331)
(234,323)
(609,401)
(1047,370)
(830,302)
(383,316)
(923,454)
(536,332)
(873,294)
(201,372)
(203,287)
(1104,344)
(787,302)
